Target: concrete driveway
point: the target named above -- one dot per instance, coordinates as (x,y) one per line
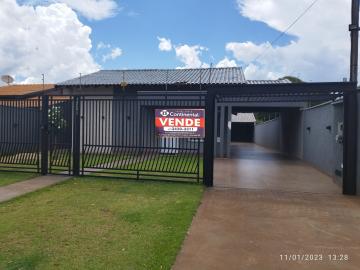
(258,229)
(275,213)
(255,167)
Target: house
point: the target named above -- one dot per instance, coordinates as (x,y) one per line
(111,113)
(25,90)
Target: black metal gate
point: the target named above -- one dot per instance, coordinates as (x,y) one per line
(60,134)
(90,135)
(118,138)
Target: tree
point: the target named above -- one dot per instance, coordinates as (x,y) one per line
(56,119)
(292,79)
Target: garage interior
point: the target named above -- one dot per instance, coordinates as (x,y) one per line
(288,146)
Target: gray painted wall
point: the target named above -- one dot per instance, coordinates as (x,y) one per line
(306,134)
(268,134)
(283,134)
(319,141)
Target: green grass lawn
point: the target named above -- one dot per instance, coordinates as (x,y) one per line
(7,178)
(93,223)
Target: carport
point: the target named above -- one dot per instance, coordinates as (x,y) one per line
(243,162)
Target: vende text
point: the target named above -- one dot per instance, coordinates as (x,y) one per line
(179,122)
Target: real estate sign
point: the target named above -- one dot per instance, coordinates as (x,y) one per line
(180,123)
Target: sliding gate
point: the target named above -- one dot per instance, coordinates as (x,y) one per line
(118,138)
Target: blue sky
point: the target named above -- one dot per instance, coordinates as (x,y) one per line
(195,22)
(61,38)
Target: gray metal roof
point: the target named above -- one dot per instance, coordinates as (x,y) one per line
(161,76)
(234,75)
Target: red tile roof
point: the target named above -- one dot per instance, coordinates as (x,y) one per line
(24,89)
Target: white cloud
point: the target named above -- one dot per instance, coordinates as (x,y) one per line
(246,51)
(101,45)
(190,56)
(226,62)
(112,52)
(115,53)
(91,9)
(319,51)
(165,44)
(49,40)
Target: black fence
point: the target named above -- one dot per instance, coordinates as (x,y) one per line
(111,136)
(20,123)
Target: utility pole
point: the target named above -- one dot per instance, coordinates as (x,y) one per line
(350,170)
(354,29)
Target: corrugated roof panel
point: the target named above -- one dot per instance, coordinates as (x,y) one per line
(161,76)
(233,75)
(268,81)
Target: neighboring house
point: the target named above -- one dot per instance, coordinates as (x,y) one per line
(26,90)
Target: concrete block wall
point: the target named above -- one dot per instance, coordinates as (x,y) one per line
(306,134)
(320,130)
(268,134)
(283,134)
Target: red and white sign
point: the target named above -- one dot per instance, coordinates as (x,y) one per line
(180,123)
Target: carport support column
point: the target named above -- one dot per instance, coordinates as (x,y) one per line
(216,125)
(350,143)
(228,131)
(76,136)
(209,139)
(222,132)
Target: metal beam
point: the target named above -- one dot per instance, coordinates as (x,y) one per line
(291,88)
(237,88)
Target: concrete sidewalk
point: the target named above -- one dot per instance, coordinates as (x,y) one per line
(237,229)
(20,188)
